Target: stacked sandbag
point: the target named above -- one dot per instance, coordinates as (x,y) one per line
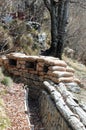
(45,67)
(58,71)
(55,70)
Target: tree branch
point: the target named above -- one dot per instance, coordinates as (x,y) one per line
(7,51)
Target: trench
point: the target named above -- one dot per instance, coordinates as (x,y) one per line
(34,113)
(35,118)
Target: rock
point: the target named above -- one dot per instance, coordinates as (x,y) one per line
(69,52)
(73,87)
(83,106)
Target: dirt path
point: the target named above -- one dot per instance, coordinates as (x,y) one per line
(14,104)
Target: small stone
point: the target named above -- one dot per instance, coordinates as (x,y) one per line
(73,87)
(83,106)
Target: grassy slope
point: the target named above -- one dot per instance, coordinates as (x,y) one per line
(80,72)
(80,69)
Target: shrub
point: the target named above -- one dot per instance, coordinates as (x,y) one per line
(7,81)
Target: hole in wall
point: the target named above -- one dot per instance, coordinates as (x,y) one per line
(45,68)
(31,65)
(12,62)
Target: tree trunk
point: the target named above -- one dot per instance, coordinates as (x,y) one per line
(54,26)
(59,16)
(62,23)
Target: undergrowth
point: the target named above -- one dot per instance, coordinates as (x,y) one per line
(75,64)
(7,81)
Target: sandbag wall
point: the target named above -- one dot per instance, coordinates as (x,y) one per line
(45,67)
(33,70)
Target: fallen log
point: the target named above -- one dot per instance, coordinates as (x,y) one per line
(64,109)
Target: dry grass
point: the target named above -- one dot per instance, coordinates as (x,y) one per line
(7,81)
(6,41)
(80,70)
(75,64)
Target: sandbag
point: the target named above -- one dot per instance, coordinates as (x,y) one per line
(50,73)
(32,72)
(77,81)
(41,59)
(39,68)
(56,80)
(66,79)
(41,73)
(69,69)
(57,68)
(62,74)
(41,64)
(55,62)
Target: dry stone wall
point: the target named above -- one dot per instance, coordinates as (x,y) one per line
(47,78)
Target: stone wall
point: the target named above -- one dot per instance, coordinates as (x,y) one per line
(51,117)
(47,78)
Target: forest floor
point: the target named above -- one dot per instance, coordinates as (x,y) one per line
(14,98)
